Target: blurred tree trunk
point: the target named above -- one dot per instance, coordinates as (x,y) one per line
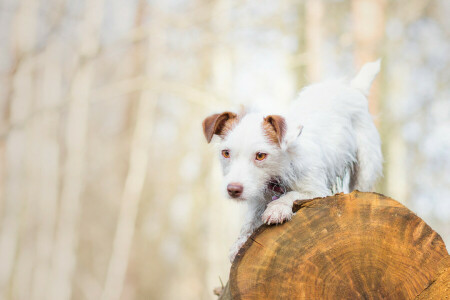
(368,30)
(48,159)
(65,255)
(15,245)
(221,52)
(314,35)
(138,165)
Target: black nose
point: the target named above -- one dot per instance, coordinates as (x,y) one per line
(235,189)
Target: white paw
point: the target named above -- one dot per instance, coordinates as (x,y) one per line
(236,247)
(277,213)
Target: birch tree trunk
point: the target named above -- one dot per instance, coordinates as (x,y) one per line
(47,142)
(137,170)
(15,257)
(64,259)
(314,18)
(368,30)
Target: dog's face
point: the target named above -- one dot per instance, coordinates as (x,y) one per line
(250,153)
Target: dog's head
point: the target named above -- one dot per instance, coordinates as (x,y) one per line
(250,150)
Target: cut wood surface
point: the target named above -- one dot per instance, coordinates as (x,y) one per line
(348,246)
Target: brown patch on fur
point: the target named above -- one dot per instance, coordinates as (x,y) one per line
(274,127)
(220,124)
(228,126)
(270,133)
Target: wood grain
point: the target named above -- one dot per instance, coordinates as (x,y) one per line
(348,246)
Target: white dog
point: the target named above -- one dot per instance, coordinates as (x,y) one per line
(270,161)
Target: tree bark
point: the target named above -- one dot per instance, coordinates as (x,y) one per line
(347,246)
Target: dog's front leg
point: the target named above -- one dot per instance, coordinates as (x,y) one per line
(280,210)
(238,245)
(252,222)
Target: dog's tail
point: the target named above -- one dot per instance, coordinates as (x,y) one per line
(363,80)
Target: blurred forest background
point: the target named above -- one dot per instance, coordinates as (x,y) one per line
(108,189)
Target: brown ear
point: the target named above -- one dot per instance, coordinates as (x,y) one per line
(277,128)
(215,124)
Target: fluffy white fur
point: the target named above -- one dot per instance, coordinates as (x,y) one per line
(330,133)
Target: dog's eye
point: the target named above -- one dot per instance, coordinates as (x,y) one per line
(226,153)
(260,156)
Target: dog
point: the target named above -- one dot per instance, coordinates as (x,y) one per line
(269,161)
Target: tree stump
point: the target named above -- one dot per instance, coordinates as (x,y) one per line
(348,246)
